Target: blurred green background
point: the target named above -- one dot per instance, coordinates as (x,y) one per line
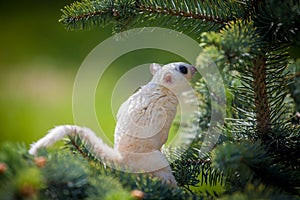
(38,62)
(39,59)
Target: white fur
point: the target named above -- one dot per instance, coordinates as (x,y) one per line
(59,132)
(143,124)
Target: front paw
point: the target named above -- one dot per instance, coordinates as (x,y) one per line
(166,176)
(170,180)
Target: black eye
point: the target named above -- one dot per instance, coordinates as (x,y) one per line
(183,69)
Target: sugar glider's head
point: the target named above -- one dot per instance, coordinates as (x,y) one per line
(174,76)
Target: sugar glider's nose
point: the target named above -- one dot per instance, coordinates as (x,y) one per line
(193,70)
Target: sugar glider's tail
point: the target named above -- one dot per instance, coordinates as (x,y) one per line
(100,149)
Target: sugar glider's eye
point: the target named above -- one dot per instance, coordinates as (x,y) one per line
(183,69)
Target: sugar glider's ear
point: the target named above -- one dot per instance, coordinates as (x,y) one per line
(154,68)
(168,78)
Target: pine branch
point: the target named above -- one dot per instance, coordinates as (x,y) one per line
(195,174)
(247,162)
(76,145)
(278,21)
(262,108)
(67,177)
(78,14)
(192,17)
(182,13)
(285,146)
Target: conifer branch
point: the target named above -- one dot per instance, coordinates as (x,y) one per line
(124,13)
(181,13)
(77,147)
(262,108)
(76,144)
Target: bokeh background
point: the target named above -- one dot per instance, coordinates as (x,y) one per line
(39,59)
(38,62)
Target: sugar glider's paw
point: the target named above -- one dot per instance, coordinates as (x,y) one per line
(166,176)
(170,179)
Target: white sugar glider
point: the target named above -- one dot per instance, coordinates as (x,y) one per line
(143,124)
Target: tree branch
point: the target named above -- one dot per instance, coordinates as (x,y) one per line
(262,107)
(180,13)
(93,13)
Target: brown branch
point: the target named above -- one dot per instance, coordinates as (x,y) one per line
(176,13)
(72,140)
(262,107)
(143,8)
(85,16)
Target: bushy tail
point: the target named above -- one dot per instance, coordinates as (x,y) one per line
(99,148)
